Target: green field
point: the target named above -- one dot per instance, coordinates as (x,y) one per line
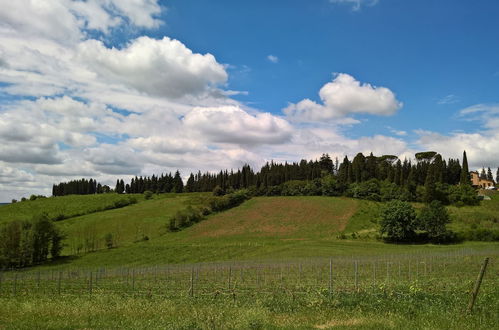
(67,206)
(272,262)
(262,228)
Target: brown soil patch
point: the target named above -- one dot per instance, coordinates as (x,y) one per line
(280,217)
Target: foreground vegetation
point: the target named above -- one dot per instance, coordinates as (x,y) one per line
(152,277)
(383,292)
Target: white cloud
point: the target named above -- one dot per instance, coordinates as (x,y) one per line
(345,96)
(481,148)
(449,99)
(273,58)
(231,124)
(396,132)
(356,4)
(163,67)
(66,20)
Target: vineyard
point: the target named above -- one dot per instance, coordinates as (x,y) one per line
(431,272)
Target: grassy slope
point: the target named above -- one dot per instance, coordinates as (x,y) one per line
(261,228)
(68,205)
(484,216)
(127,225)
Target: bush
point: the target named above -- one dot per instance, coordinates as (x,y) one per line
(330,186)
(398,221)
(433,219)
(480,234)
(218,191)
(463,195)
(185,218)
(293,188)
(190,215)
(365,190)
(109,240)
(148,194)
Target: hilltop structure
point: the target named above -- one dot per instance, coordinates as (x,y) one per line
(476,181)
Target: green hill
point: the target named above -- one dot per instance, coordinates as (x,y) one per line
(261,228)
(63,207)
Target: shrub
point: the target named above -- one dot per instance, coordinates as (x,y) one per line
(481,234)
(148,194)
(293,188)
(462,195)
(109,240)
(218,191)
(398,221)
(433,219)
(190,215)
(365,190)
(185,218)
(330,186)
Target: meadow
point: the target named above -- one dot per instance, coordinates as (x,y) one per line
(272,262)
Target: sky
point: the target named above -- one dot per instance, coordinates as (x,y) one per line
(111,89)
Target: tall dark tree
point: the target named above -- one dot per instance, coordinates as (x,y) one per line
(326,164)
(483,175)
(178,185)
(497,175)
(465,172)
(359,172)
(429,186)
(490,177)
(190,185)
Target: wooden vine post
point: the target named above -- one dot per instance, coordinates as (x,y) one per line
(478,282)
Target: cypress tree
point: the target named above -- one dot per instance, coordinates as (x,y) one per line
(483,175)
(178,185)
(490,177)
(429,186)
(465,172)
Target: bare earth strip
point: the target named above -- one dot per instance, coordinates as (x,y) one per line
(289,217)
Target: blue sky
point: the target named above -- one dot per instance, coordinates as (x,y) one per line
(110,89)
(422,50)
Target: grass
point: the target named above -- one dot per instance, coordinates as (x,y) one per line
(268,295)
(263,244)
(486,215)
(67,206)
(263,228)
(142,221)
(378,309)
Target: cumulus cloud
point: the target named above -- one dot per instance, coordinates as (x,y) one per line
(345,96)
(231,124)
(481,148)
(66,20)
(163,67)
(165,144)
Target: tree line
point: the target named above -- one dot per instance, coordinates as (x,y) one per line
(79,187)
(429,177)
